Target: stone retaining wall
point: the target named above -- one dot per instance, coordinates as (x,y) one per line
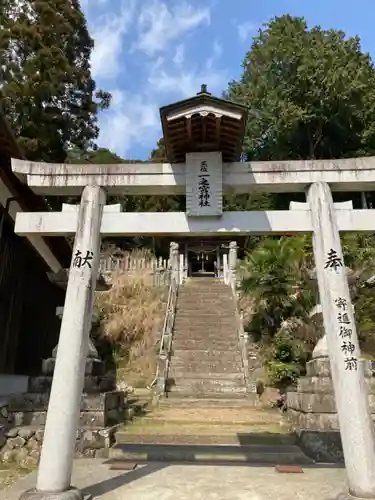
(23,416)
(312,410)
(23,444)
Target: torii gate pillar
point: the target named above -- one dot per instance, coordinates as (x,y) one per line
(56,461)
(347,369)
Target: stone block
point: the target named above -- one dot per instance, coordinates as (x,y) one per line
(322,447)
(313,421)
(320,367)
(93,367)
(90,418)
(91,384)
(315,385)
(3,437)
(317,402)
(39,402)
(90,442)
(324,385)
(96,409)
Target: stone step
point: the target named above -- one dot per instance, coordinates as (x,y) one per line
(261,438)
(206,355)
(234,376)
(200,367)
(222,290)
(256,454)
(199,312)
(189,384)
(218,401)
(197,315)
(215,301)
(204,330)
(194,319)
(229,379)
(207,362)
(92,384)
(204,417)
(206,390)
(207,299)
(209,395)
(222,344)
(210,334)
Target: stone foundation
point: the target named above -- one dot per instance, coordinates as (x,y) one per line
(22,445)
(312,410)
(23,416)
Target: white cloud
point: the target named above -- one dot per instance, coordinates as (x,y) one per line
(159,25)
(217,51)
(245,30)
(132,120)
(108,35)
(179,55)
(161,71)
(186,81)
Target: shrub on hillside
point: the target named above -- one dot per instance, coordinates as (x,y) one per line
(132,314)
(274,280)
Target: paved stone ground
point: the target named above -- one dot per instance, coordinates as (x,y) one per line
(195,482)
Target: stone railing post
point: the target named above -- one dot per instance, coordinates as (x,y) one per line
(182,268)
(225,269)
(232,262)
(232,255)
(174,260)
(347,368)
(56,461)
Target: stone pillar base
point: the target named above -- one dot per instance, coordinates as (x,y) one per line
(312,410)
(71,494)
(93,366)
(348,496)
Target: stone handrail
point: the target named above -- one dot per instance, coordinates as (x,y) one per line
(166,338)
(242,335)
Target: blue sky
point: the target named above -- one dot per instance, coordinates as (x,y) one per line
(149,53)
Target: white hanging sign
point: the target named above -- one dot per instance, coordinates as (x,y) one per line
(204,184)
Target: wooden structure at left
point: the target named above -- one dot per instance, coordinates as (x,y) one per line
(29,326)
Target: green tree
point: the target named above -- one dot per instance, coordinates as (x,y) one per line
(272,274)
(48,94)
(159,154)
(311,93)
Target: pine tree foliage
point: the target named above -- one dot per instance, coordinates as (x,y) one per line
(310,92)
(48,94)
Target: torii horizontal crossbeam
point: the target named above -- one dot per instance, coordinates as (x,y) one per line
(354,174)
(177,223)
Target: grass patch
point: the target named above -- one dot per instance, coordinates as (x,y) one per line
(10,473)
(132,314)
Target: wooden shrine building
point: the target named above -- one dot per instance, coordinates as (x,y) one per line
(29,327)
(204,123)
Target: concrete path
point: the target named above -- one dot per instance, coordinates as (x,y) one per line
(197,482)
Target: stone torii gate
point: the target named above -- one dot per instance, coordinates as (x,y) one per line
(207,133)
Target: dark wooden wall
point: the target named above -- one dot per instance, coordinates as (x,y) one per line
(29,327)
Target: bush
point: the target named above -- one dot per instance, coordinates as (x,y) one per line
(132,314)
(285,355)
(282,374)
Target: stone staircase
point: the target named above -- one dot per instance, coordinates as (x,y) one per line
(206,431)
(206,359)
(208,416)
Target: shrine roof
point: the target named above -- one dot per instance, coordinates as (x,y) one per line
(203,123)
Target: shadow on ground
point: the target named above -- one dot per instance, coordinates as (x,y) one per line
(112,484)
